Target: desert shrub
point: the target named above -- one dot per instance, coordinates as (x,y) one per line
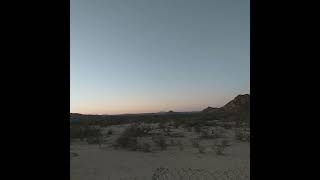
(145,147)
(172,142)
(206,135)
(238,124)
(83,132)
(225,142)
(137,131)
(92,134)
(227,126)
(145,129)
(94,140)
(176,124)
(176,135)
(161,142)
(109,132)
(75,132)
(162,125)
(128,139)
(210,123)
(242,135)
(197,128)
(167,130)
(188,128)
(127,142)
(180,145)
(73,154)
(201,148)
(195,143)
(219,147)
(219,150)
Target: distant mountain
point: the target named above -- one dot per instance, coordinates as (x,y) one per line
(239,108)
(209,109)
(241,103)
(76,117)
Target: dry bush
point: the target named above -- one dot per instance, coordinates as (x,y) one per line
(197,128)
(128,139)
(73,154)
(195,143)
(127,142)
(172,142)
(85,132)
(162,125)
(161,142)
(227,126)
(225,142)
(180,145)
(189,129)
(109,132)
(206,135)
(201,148)
(178,135)
(145,147)
(219,147)
(242,135)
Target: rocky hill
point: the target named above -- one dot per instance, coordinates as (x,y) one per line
(241,103)
(238,104)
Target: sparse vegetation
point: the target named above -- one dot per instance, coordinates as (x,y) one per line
(162,126)
(180,145)
(195,143)
(225,142)
(242,135)
(127,142)
(219,147)
(91,134)
(197,128)
(172,142)
(189,137)
(214,134)
(161,142)
(145,147)
(110,132)
(73,154)
(205,135)
(177,135)
(201,148)
(128,139)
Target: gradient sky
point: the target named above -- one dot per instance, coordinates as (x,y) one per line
(131,56)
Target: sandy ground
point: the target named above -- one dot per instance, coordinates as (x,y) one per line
(103,163)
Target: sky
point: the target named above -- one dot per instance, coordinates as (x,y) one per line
(134,56)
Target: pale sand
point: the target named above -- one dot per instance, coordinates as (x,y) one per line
(94,163)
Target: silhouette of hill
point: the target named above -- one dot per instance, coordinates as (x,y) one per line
(241,103)
(236,109)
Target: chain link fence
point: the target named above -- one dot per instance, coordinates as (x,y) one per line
(200,174)
(186,174)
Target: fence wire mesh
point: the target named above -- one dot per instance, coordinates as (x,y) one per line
(200,174)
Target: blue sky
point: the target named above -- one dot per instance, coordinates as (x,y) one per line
(130,56)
